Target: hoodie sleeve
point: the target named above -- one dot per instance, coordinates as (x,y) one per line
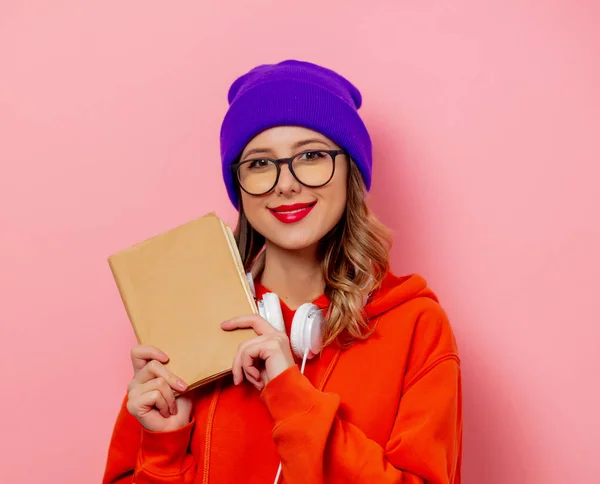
(317,446)
(139,456)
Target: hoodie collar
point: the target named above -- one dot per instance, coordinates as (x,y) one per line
(393,291)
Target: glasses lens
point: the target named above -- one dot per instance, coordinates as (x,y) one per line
(257,176)
(313,168)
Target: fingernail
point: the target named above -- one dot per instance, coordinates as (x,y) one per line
(181,384)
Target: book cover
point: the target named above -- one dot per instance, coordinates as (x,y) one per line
(177,287)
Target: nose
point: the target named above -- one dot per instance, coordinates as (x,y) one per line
(287,184)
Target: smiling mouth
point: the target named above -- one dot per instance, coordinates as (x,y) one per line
(289,214)
(296,208)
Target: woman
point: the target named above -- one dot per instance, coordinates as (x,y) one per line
(381,402)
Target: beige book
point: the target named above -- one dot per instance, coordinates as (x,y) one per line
(177,287)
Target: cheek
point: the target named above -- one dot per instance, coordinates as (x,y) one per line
(337,208)
(256,213)
(335,202)
(250,206)
(250,202)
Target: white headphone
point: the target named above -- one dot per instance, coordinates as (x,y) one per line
(305,335)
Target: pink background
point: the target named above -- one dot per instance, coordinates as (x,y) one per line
(485,120)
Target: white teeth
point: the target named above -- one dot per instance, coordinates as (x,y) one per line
(295,211)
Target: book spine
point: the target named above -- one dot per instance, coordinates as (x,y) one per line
(240,265)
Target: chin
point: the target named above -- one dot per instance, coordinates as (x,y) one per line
(293,241)
(294,237)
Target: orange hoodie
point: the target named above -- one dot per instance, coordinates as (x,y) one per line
(385,410)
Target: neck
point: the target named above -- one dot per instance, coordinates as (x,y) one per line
(295,276)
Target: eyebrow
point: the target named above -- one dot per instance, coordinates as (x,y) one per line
(295,146)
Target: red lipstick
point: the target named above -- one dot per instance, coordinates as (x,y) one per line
(289,214)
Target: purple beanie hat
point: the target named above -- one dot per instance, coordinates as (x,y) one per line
(293,93)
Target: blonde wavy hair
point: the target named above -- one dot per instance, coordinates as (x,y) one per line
(354,256)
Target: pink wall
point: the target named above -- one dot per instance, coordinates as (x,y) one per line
(485,118)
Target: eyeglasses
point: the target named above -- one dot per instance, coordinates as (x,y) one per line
(313,169)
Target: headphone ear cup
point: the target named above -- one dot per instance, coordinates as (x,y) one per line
(272,311)
(305,335)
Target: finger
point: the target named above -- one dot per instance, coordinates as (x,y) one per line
(156,369)
(165,390)
(252,371)
(237,360)
(253,321)
(154,398)
(251,359)
(142,354)
(249,368)
(256,383)
(139,404)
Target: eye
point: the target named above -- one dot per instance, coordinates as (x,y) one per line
(257,164)
(312,155)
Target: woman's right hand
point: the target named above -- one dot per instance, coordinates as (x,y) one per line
(150,394)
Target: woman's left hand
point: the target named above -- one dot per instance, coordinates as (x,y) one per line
(262,358)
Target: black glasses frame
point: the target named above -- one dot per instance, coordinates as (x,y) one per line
(235,168)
